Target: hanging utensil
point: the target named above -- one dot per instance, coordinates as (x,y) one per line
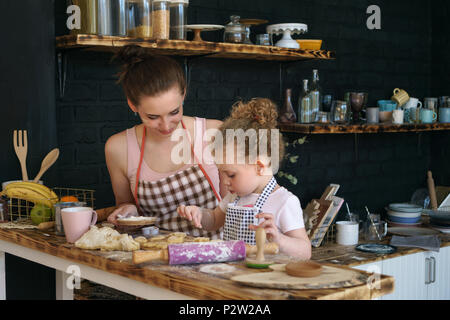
(21,148)
(48,161)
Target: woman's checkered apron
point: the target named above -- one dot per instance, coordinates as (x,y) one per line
(238,219)
(162,198)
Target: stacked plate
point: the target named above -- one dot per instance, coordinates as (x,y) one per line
(439,219)
(404,215)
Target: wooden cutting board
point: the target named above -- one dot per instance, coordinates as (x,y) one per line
(330,278)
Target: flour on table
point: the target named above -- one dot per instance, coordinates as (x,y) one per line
(219,268)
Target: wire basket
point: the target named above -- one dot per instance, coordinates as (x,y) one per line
(19,209)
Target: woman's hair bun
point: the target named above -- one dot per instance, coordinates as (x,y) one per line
(130,55)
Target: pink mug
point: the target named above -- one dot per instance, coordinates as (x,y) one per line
(77,221)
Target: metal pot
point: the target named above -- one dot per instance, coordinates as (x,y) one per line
(111,18)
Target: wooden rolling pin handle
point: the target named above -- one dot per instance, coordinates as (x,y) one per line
(269,248)
(46,225)
(432,191)
(260,238)
(142,256)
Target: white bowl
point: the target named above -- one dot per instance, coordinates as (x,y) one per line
(404,214)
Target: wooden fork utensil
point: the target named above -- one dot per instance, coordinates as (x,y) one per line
(21,148)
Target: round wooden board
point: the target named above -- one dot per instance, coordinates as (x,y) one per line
(330,278)
(141,222)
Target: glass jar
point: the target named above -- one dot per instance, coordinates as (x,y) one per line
(234,31)
(178,19)
(160,19)
(139,18)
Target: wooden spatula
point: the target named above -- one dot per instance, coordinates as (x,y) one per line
(21,148)
(48,161)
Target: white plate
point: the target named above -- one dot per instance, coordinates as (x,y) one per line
(404,214)
(204,27)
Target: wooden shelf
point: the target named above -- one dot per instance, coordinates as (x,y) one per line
(192,48)
(364,128)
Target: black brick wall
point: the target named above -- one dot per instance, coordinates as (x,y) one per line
(372,169)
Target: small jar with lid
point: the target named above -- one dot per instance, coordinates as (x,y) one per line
(234,31)
(178,19)
(139,18)
(160,19)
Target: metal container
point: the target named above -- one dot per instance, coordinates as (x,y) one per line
(59,228)
(111,18)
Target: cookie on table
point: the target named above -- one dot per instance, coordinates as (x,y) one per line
(178,234)
(175,239)
(141,240)
(201,239)
(157,238)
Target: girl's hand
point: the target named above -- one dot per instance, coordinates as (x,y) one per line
(269,226)
(191,213)
(126,210)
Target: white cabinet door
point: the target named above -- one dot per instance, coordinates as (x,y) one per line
(409,274)
(439,289)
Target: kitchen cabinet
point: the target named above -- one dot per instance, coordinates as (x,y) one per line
(418,276)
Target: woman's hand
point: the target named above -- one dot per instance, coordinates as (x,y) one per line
(125,210)
(269,226)
(191,213)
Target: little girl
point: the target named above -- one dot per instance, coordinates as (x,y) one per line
(253,192)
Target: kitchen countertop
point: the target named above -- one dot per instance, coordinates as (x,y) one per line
(349,256)
(187,279)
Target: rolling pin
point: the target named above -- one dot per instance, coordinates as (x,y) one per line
(192,253)
(432,191)
(151,255)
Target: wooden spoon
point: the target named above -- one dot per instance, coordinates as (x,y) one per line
(48,161)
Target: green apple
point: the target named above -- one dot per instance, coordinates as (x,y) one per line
(40,213)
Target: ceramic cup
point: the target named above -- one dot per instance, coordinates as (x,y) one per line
(386,105)
(373,115)
(347,233)
(77,221)
(400,96)
(427,116)
(398,116)
(444,115)
(412,103)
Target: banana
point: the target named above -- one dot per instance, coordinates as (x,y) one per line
(32,192)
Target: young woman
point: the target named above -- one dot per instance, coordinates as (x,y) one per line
(146,175)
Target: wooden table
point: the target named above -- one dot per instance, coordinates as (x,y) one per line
(155,280)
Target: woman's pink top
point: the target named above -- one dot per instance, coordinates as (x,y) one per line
(147,174)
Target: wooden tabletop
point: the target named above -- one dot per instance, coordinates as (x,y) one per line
(187,279)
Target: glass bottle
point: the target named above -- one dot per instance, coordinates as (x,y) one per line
(287,113)
(304,104)
(316,92)
(160,19)
(178,19)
